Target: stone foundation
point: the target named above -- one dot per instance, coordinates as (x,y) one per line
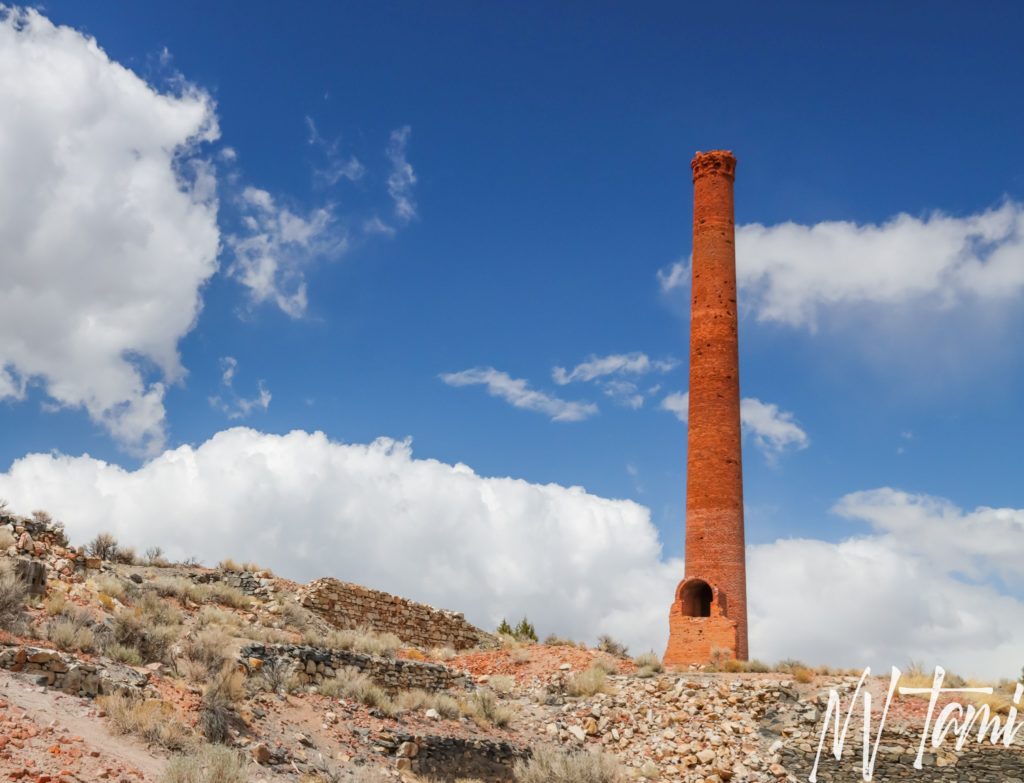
(694,639)
(449,759)
(71,675)
(975,764)
(346,605)
(315,664)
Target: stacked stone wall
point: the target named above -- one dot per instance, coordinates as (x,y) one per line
(67,673)
(315,664)
(41,540)
(449,759)
(974,764)
(346,605)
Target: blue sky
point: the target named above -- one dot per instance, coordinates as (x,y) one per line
(548,202)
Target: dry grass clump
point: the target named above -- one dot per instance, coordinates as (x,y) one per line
(520,655)
(353,684)
(648,664)
(607,665)
(125,555)
(442,654)
(210,764)
(13,593)
(226,595)
(178,587)
(153,720)
(587,683)
(212,616)
(231,566)
(185,590)
(70,631)
(155,611)
(552,765)
(606,643)
(55,603)
(294,615)
(557,641)
(264,635)
(484,707)
(360,640)
(206,652)
(219,699)
(112,586)
(798,670)
(996,702)
(502,683)
(416,699)
(152,641)
(122,653)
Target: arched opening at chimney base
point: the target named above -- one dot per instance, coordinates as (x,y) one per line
(696,597)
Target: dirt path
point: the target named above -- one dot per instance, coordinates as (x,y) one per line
(48,733)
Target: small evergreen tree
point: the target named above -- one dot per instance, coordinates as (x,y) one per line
(505,629)
(525,632)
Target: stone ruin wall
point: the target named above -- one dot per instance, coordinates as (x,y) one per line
(974,764)
(72,675)
(451,758)
(346,605)
(315,664)
(41,550)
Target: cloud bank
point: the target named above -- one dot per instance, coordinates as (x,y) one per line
(575,563)
(110,231)
(927,581)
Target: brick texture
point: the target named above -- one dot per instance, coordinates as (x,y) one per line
(714,466)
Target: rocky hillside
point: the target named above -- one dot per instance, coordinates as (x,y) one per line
(135,669)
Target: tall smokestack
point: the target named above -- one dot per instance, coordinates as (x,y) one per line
(710,610)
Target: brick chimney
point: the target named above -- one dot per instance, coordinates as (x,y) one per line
(709,614)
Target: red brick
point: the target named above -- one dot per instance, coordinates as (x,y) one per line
(714,465)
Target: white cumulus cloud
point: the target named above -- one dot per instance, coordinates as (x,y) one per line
(923,586)
(108,228)
(574,563)
(792,273)
(517,392)
(772,429)
(922,583)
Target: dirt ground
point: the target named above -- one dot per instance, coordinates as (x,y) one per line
(46,736)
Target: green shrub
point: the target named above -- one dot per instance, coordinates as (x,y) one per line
(525,632)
